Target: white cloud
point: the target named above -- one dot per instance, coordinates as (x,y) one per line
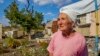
(61,2)
(4,21)
(57,2)
(1,1)
(23,1)
(48,14)
(42,2)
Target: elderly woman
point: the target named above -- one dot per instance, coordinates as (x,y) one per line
(66,41)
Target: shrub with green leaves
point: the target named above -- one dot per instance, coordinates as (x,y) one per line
(10,42)
(40,50)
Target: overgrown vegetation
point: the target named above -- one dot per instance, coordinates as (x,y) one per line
(40,50)
(23,48)
(27,19)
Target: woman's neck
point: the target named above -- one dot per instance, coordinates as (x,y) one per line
(68,32)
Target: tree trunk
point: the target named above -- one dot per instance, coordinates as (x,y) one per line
(29,36)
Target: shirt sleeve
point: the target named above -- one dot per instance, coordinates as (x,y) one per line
(83,51)
(50,47)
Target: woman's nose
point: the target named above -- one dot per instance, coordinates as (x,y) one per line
(60,22)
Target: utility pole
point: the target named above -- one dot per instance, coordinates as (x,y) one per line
(0,32)
(97,25)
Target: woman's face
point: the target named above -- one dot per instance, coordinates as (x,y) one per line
(64,23)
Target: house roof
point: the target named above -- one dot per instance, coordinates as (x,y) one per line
(81,7)
(49,24)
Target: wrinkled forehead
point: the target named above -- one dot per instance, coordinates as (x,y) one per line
(64,16)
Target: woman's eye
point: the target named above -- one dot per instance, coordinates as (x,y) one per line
(58,19)
(63,18)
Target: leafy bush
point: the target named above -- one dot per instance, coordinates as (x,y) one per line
(24,51)
(40,50)
(10,42)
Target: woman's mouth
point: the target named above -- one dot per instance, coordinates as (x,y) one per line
(61,26)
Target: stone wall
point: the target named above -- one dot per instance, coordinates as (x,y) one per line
(91,46)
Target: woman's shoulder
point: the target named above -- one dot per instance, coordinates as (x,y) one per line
(80,36)
(56,34)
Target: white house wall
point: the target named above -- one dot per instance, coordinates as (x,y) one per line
(88,18)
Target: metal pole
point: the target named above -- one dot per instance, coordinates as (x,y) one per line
(96,37)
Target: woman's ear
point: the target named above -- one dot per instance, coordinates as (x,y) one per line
(73,24)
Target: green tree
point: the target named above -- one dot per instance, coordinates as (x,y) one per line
(12,12)
(26,18)
(38,21)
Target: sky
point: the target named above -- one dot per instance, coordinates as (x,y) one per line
(49,8)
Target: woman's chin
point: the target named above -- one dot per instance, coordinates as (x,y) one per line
(62,29)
